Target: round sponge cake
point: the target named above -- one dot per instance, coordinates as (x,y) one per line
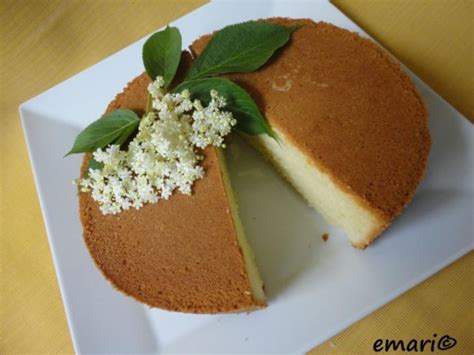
(354,140)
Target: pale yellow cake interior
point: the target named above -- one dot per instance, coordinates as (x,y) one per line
(337,206)
(253,274)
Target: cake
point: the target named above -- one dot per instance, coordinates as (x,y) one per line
(188,253)
(353,131)
(352,139)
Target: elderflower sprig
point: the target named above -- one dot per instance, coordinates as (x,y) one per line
(164,154)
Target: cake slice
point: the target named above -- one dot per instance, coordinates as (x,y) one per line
(353,132)
(188,253)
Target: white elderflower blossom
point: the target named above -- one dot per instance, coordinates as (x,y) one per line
(163,156)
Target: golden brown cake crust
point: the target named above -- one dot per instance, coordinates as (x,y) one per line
(181,254)
(348,107)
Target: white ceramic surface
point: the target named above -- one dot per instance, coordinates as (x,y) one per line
(315,289)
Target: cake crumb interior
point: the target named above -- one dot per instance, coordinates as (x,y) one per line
(337,206)
(253,274)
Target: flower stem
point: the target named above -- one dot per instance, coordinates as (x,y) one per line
(148,104)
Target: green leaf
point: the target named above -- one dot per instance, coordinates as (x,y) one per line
(242,47)
(93,164)
(113,128)
(248,116)
(162,53)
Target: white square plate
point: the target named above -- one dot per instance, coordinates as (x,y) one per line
(315,289)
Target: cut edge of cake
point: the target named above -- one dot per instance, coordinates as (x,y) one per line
(255,280)
(335,202)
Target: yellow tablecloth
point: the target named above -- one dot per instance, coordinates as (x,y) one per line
(45,42)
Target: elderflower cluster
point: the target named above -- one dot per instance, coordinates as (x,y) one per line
(163,156)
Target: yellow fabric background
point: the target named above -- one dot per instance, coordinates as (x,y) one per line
(45,42)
